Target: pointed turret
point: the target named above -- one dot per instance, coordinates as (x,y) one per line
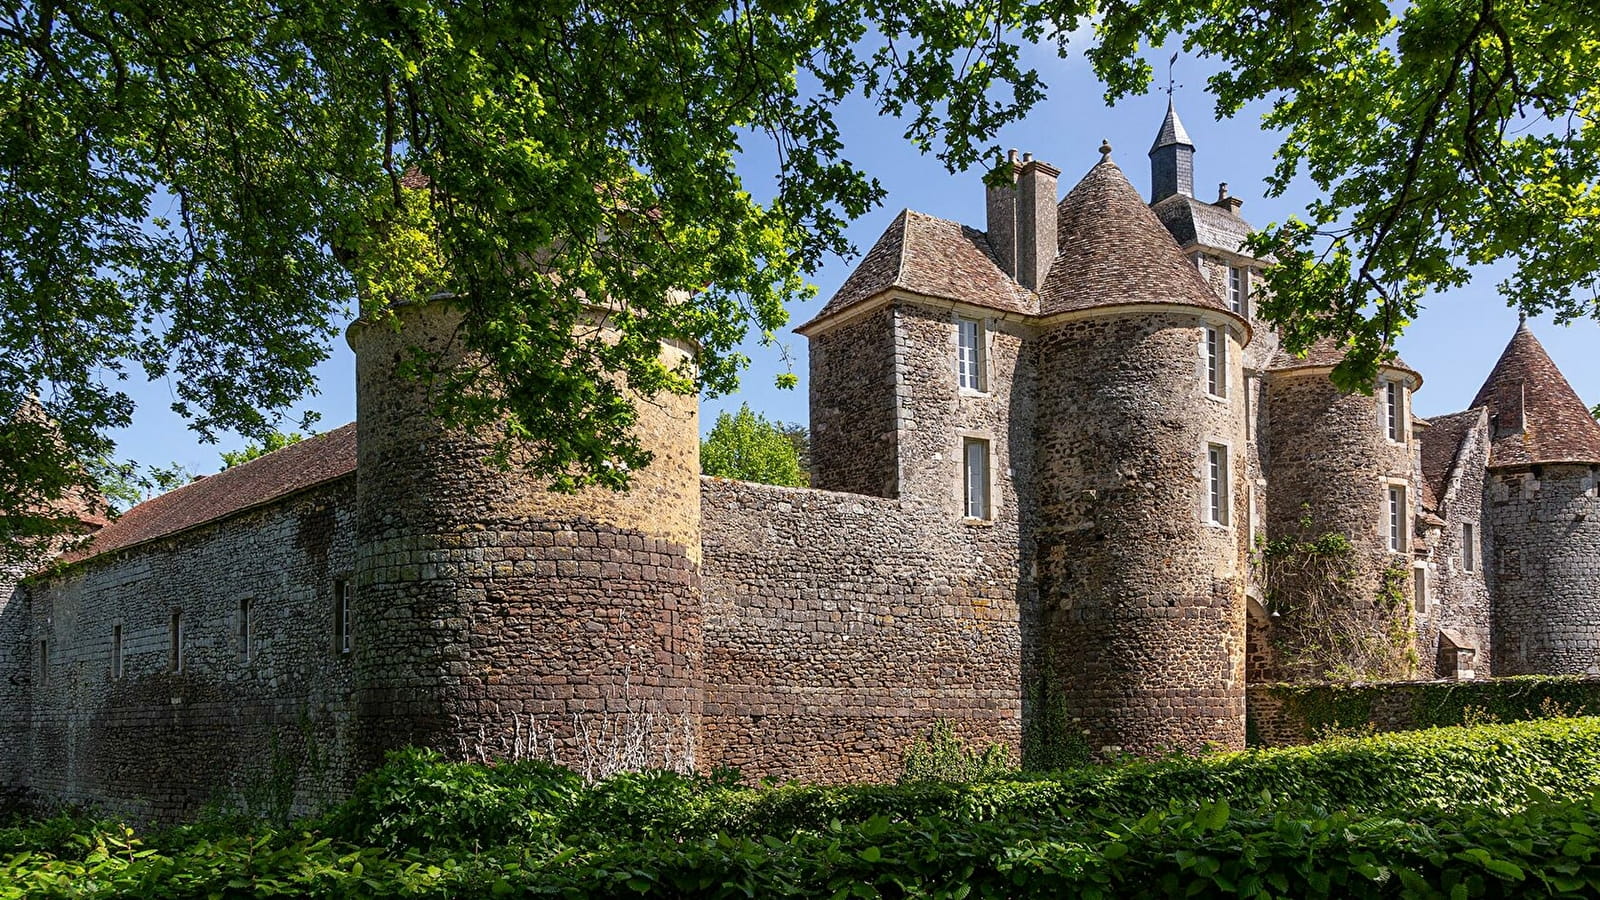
(1534,414)
(1171,159)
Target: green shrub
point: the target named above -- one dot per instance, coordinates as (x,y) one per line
(939,754)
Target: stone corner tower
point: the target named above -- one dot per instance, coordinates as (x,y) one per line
(495,618)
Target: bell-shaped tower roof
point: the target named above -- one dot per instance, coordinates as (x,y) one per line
(1534,414)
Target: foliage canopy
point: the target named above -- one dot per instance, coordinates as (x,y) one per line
(194,192)
(746,446)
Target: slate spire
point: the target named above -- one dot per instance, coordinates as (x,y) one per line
(1171,159)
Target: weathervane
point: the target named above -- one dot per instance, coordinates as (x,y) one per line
(1172,85)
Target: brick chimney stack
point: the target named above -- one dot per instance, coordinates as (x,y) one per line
(1022,220)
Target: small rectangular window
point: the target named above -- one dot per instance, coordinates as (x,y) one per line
(247,628)
(975,472)
(44,663)
(1397,519)
(1420,576)
(116,651)
(1217,483)
(1239,289)
(969,358)
(1469,549)
(175,642)
(1216,358)
(1393,408)
(343,640)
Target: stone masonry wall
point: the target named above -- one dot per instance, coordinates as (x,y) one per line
(839,627)
(853,407)
(1142,597)
(1462,596)
(267,732)
(15,650)
(1546,526)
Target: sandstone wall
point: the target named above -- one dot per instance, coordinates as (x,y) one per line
(1546,527)
(267,732)
(1142,597)
(840,626)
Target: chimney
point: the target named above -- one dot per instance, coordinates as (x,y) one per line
(1036,221)
(1001,206)
(1231,204)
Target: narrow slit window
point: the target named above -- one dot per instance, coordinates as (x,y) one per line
(247,629)
(343,617)
(175,642)
(116,651)
(975,478)
(1217,484)
(969,356)
(1469,548)
(1420,586)
(1393,406)
(1239,289)
(1216,357)
(1397,519)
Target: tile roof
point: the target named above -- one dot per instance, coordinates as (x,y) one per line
(1172,131)
(1193,222)
(1114,251)
(934,257)
(1535,415)
(1441,446)
(278,474)
(1325,353)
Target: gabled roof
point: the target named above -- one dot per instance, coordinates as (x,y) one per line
(934,257)
(1114,251)
(296,467)
(1441,451)
(1534,414)
(1327,353)
(1172,131)
(1191,221)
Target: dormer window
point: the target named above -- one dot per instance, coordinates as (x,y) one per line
(1239,290)
(969,354)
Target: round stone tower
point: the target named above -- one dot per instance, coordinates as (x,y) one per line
(493,617)
(1542,511)
(1343,465)
(1139,430)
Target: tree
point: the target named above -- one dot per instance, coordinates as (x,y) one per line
(748,447)
(271,442)
(194,191)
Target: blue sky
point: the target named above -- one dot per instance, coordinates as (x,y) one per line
(1454,342)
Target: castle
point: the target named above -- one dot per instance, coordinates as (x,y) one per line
(1055,461)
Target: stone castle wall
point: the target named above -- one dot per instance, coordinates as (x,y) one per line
(839,627)
(266,731)
(1546,576)
(16,644)
(853,407)
(1463,607)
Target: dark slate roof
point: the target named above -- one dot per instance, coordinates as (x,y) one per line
(1325,353)
(1192,222)
(1441,448)
(935,257)
(296,467)
(1525,384)
(1172,131)
(1115,251)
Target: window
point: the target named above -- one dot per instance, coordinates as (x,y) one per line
(1397,519)
(975,466)
(343,640)
(1216,354)
(1393,408)
(175,642)
(44,663)
(969,356)
(1469,549)
(1217,484)
(247,629)
(1420,577)
(116,651)
(1239,289)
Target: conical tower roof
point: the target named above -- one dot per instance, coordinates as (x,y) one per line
(1534,414)
(1172,131)
(1326,353)
(1114,251)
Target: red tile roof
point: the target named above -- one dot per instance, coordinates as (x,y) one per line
(1115,251)
(1441,447)
(934,257)
(1534,414)
(1326,353)
(296,467)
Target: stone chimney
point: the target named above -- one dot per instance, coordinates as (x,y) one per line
(1022,220)
(1171,159)
(1227,201)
